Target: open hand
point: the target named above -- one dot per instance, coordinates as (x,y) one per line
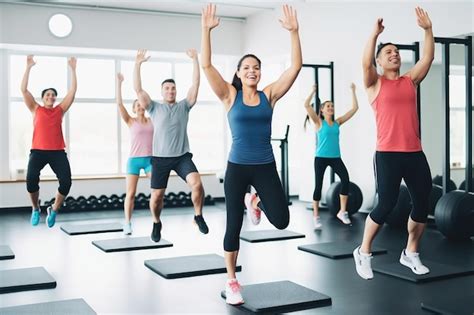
(289,20)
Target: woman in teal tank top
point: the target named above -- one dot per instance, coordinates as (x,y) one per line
(328,152)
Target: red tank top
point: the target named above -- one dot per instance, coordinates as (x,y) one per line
(47,131)
(396,116)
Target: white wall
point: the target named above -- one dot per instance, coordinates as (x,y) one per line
(14,194)
(28,24)
(337,32)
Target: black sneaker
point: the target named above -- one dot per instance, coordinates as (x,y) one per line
(199,221)
(156,233)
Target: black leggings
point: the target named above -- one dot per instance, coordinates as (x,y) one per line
(59,163)
(390,168)
(264,178)
(339,168)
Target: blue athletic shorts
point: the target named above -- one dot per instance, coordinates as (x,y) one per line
(135,164)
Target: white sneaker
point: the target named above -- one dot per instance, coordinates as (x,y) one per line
(344,217)
(127,228)
(255,213)
(317,223)
(232,292)
(412,261)
(363,264)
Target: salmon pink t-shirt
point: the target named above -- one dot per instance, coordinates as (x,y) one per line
(396,116)
(47,130)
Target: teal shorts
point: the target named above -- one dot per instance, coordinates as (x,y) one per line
(135,164)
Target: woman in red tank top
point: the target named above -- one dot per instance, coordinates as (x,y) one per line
(48,142)
(398,153)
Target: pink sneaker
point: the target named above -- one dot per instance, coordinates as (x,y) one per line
(232,292)
(255,213)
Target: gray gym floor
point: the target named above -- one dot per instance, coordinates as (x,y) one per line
(120,283)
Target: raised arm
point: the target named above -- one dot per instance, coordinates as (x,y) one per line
(353,110)
(310,110)
(142,96)
(71,94)
(27,96)
(118,97)
(277,89)
(194,89)
(421,68)
(368,67)
(224,90)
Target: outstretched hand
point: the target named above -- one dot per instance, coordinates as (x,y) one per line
(209,20)
(192,53)
(141,56)
(120,77)
(378,28)
(353,86)
(30,62)
(422,18)
(289,20)
(72,62)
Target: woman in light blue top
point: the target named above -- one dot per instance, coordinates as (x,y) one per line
(328,152)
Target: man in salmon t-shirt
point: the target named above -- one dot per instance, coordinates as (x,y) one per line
(48,142)
(398,152)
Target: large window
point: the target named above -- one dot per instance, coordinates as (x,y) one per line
(97,140)
(457,100)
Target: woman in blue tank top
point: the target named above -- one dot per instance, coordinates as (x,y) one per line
(251,160)
(328,152)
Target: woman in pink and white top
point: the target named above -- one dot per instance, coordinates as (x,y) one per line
(141,137)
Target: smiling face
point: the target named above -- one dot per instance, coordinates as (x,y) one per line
(389,58)
(327,109)
(49,97)
(249,72)
(168,91)
(137,108)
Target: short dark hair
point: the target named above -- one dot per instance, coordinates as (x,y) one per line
(381,46)
(168,81)
(49,89)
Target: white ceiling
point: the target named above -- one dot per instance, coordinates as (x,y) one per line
(233,9)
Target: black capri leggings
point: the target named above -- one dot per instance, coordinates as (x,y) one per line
(59,163)
(339,168)
(264,178)
(390,168)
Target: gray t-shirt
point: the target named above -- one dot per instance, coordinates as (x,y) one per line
(170,137)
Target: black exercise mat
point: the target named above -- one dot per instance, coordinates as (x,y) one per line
(459,305)
(6,252)
(130,243)
(437,271)
(336,250)
(269,235)
(77,229)
(188,266)
(280,296)
(69,307)
(16,280)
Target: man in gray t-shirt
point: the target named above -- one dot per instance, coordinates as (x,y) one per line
(170,142)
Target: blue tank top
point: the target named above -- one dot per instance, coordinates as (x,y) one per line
(328,141)
(251,128)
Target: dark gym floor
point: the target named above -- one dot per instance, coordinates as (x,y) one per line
(120,283)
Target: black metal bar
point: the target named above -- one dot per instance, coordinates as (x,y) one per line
(468,65)
(316,66)
(412,47)
(450,40)
(446,142)
(416,56)
(284,165)
(332,176)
